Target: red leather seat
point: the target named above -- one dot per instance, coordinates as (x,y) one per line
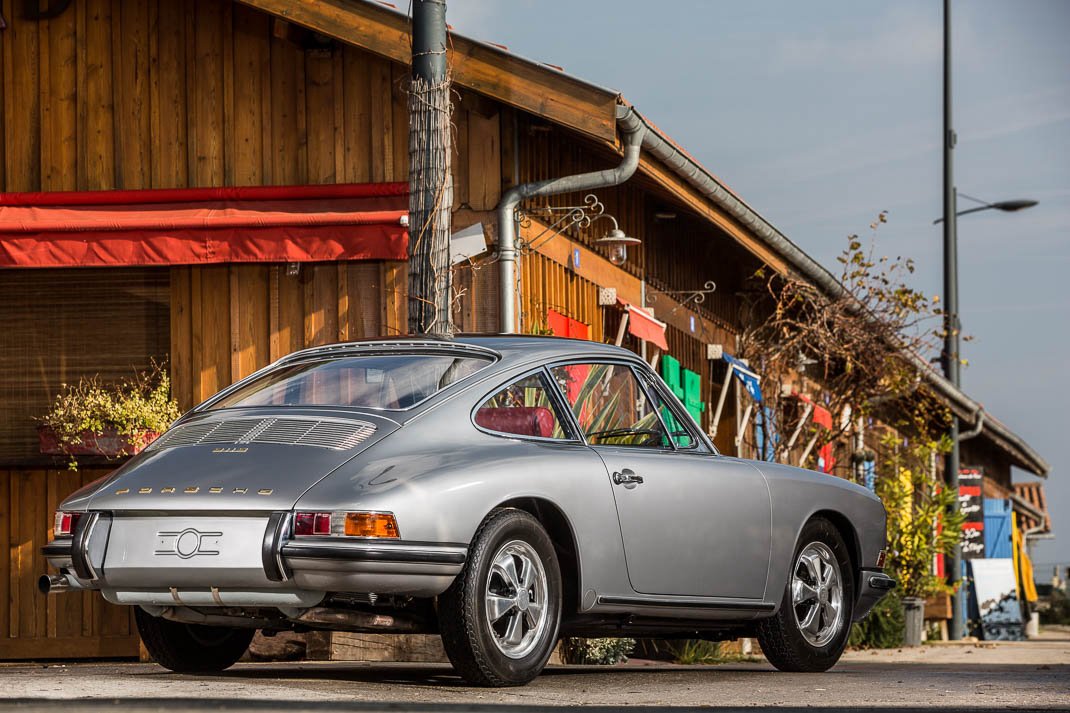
(522,420)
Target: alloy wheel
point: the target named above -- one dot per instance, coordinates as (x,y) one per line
(515,598)
(817,594)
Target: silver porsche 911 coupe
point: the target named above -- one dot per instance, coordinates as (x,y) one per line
(500,491)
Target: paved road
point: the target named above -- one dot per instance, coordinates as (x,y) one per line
(1033,675)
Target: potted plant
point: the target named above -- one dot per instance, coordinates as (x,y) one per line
(921,525)
(111,420)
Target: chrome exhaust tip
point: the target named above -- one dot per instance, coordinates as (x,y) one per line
(53,584)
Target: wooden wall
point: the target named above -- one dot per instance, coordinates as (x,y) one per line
(227,321)
(162,94)
(545,285)
(62,626)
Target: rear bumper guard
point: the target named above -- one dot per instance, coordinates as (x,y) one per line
(873,585)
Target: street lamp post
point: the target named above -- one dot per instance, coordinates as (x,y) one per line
(951,313)
(952,360)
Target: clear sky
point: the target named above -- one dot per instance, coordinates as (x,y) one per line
(823,113)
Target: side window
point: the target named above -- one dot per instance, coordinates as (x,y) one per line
(681,436)
(524,408)
(610,405)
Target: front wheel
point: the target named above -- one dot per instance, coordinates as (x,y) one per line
(810,631)
(500,618)
(191,648)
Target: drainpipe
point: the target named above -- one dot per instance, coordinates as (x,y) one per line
(979,424)
(632,139)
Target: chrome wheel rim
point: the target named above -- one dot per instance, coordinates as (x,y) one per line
(817,594)
(515,599)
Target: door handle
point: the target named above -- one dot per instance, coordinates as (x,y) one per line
(627,477)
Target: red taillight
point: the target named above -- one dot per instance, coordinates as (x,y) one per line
(65,523)
(309,524)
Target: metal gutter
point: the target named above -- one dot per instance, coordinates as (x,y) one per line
(632,139)
(706,183)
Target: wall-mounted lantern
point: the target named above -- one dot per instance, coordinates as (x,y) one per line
(617,242)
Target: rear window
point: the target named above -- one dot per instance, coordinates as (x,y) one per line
(383,381)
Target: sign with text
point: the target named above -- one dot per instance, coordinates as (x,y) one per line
(972,504)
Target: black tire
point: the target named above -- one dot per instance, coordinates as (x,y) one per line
(780,637)
(467,635)
(191,648)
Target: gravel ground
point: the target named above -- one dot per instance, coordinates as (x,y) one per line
(1027,675)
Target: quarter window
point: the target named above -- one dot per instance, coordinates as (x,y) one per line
(524,408)
(681,436)
(610,405)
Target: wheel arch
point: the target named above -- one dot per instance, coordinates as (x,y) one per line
(558,527)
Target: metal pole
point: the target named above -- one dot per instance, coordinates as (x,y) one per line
(951,316)
(430,173)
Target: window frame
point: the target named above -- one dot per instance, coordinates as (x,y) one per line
(316,355)
(700,443)
(632,367)
(573,435)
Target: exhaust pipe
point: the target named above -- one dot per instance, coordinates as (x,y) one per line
(56,584)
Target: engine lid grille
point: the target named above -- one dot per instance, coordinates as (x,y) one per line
(335,434)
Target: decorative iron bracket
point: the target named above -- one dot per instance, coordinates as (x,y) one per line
(696,297)
(565,218)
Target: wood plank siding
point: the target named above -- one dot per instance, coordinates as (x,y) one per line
(157,94)
(227,321)
(34,626)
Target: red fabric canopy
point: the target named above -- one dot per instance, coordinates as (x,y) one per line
(204,225)
(643,325)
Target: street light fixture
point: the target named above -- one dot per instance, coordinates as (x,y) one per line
(1011,206)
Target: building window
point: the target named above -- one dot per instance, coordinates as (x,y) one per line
(59,325)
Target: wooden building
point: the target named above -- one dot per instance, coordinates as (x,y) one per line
(136,96)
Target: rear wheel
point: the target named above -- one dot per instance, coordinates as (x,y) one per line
(500,618)
(191,648)
(809,632)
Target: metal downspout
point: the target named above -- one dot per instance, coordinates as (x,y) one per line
(632,139)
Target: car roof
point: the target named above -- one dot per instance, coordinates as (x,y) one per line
(508,348)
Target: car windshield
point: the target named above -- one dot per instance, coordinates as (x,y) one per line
(376,381)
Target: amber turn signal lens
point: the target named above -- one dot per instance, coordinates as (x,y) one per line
(371,524)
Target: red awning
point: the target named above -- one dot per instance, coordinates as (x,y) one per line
(641,324)
(204,225)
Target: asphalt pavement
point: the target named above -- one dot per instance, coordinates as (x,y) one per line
(1031,675)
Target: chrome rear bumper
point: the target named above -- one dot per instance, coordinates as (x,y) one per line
(237,560)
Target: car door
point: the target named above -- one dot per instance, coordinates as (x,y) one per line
(693,523)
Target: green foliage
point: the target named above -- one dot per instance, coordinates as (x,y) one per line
(921,523)
(883,628)
(604,652)
(697,652)
(1059,610)
(133,407)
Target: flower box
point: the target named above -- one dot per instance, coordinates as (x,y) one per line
(109,443)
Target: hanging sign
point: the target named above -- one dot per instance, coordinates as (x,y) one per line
(972,504)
